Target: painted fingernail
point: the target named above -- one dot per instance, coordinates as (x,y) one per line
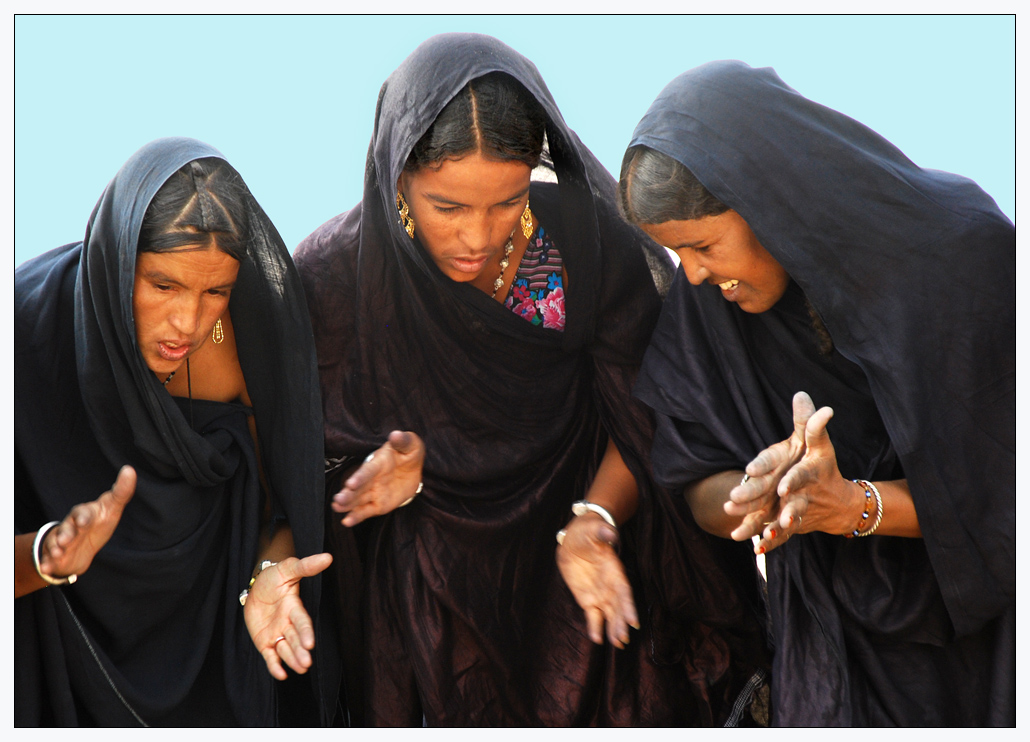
(791,521)
(761,549)
(772,534)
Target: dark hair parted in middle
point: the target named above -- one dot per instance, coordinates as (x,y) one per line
(655,188)
(202,203)
(492,114)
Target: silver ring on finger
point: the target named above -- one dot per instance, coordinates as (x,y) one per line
(370,457)
(275,644)
(799,523)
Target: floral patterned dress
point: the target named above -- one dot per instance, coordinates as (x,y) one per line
(537,293)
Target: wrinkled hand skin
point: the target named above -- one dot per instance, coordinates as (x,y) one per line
(384,483)
(274,609)
(595,575)
(757,500)
(69,547)
(801,474)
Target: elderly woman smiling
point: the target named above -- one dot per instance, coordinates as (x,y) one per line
(827,267)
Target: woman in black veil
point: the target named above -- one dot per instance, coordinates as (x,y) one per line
(169,348)
(479,319)
(830,270)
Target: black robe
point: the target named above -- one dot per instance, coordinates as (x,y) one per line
(912,273)
(153,632)
(462,616)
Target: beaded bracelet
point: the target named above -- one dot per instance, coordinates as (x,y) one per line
(865,513)
(879,506)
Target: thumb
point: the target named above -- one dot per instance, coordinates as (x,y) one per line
(404,441)
(815,431)
(603,532)
(121,491)
(310,566)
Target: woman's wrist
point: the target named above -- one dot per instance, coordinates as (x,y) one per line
(585,513)
(855,506)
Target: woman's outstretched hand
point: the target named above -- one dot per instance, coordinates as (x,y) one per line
(69,547)
(757,499)
(275,616)
(387,480)
(595,575)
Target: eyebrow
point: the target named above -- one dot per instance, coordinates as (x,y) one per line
(443,200)
(160,277)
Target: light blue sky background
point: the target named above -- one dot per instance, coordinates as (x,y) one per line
(290,100)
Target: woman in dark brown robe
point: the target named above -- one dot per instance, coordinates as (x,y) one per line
(483,349)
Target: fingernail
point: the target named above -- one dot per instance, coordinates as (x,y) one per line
(791,521)
(772,533)
(761,549)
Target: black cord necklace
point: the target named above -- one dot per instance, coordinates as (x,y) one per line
(189,387)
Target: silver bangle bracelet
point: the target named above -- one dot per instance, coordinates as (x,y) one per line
(418,491)
(581,507)
(40,535)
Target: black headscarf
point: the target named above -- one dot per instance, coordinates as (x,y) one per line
(165,587)
(511,415)
(912,273)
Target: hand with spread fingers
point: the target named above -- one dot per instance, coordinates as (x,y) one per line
(756,498)
(68,548)
(813,494)
(388,479)
(595,575)
(276,618)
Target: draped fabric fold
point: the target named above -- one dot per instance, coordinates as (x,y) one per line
(466,620)
(912,273)
(153,633)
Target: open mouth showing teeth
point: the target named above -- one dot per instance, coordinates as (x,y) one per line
(727,285)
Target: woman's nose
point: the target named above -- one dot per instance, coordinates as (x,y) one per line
(185,316)
(475,233)
(696,273)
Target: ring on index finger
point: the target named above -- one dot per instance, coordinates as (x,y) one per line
(744,480)
(370,457)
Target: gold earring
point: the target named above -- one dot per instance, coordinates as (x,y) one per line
(218,334)
(526,220)
(406,221)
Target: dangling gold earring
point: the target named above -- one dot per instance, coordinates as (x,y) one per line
(526,220)
(406,221)
(218,334)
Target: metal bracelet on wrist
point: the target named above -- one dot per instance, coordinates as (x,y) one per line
(582,507)
(261,568)
(40,535)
